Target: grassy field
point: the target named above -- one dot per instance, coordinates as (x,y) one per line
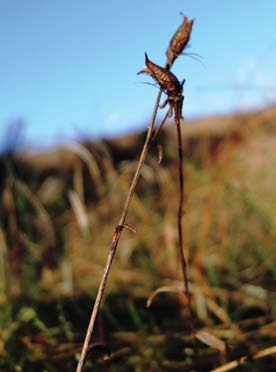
(58,212)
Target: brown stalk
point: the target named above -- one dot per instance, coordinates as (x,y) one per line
(158,130)
(247,358)
(183,260)
(116,238)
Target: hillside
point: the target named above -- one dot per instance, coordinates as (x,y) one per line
(58,212)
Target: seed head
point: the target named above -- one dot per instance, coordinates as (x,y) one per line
(167,81)
(179,40)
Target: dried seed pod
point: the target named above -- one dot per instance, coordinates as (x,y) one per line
(169,84)
(179,40)
(167,81)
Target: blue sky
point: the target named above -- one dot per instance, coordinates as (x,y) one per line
(68,68)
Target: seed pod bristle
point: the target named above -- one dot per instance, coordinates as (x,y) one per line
(179,40)
(145,70)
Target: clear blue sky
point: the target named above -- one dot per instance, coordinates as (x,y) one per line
(68,67)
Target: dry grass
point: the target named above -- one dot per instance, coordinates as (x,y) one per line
(56,226)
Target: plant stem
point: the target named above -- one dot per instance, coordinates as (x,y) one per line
(158,130)
(116,237)
(183,260)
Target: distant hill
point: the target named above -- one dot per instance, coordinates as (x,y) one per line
(201,137)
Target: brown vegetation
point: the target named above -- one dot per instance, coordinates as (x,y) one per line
(58,209)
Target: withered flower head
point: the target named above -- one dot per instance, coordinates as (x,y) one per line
(167,81)
(179,40)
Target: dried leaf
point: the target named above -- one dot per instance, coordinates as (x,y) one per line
(201,306)
(43,221)
(160,153)
(79,210)
(211,340)
(255,291)
(218,311)
(172,289)
(91,162)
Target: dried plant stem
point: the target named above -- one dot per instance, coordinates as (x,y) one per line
(237,363)
(183,260)
(116,237)
(158,130)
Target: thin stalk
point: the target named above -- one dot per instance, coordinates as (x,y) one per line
(116,237)
(158,130)
(183,260)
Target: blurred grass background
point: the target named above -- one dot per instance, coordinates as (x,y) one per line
(58,211)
